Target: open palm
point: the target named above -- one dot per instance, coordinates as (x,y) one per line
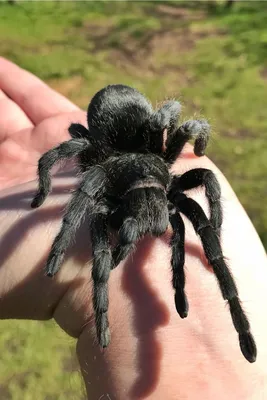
(153,354)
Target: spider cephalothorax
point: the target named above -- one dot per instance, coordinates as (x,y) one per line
(126,185)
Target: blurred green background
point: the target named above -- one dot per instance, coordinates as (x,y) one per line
(211,57)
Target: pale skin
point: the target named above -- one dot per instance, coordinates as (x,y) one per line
(153,354)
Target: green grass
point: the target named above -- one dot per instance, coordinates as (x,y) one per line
(37,362)
(213,60)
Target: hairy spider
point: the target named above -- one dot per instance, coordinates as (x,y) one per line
(126,185)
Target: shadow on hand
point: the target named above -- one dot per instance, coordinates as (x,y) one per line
(150,311)
(36,282)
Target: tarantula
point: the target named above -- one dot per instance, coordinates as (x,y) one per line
(127,186)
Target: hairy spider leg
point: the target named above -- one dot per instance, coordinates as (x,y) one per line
(84,198)
(102,265)
(165,117)
(177,263)
(67,149)
(213,251)
(198,129)
(170,114)
(203,177)
(144,210)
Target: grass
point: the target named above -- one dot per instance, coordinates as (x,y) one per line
(31,369)
(213,60)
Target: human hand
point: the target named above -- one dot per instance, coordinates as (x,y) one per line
(153,354)
(33,119)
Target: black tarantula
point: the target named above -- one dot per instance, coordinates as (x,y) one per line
(126,185)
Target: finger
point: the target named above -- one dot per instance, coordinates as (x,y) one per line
(31,94)
(19,154)
(12,118)
(53,131)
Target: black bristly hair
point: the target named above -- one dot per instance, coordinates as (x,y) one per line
(126,185)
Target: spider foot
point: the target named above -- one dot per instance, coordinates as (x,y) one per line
(181,303)
(248,346)
(53,264)
(120,252)
(199,129)
(203,134)
(104,339)
(38,200)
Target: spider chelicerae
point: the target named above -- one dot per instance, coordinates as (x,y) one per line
(126,185)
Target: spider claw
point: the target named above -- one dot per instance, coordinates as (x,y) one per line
(248,346)
(181,304)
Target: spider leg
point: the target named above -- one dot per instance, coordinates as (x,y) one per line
(102,265)
(83,198)
(203,177)
(65,150)
(198,129)
(213,251)
(165,117)
(177,263)
(170,113)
